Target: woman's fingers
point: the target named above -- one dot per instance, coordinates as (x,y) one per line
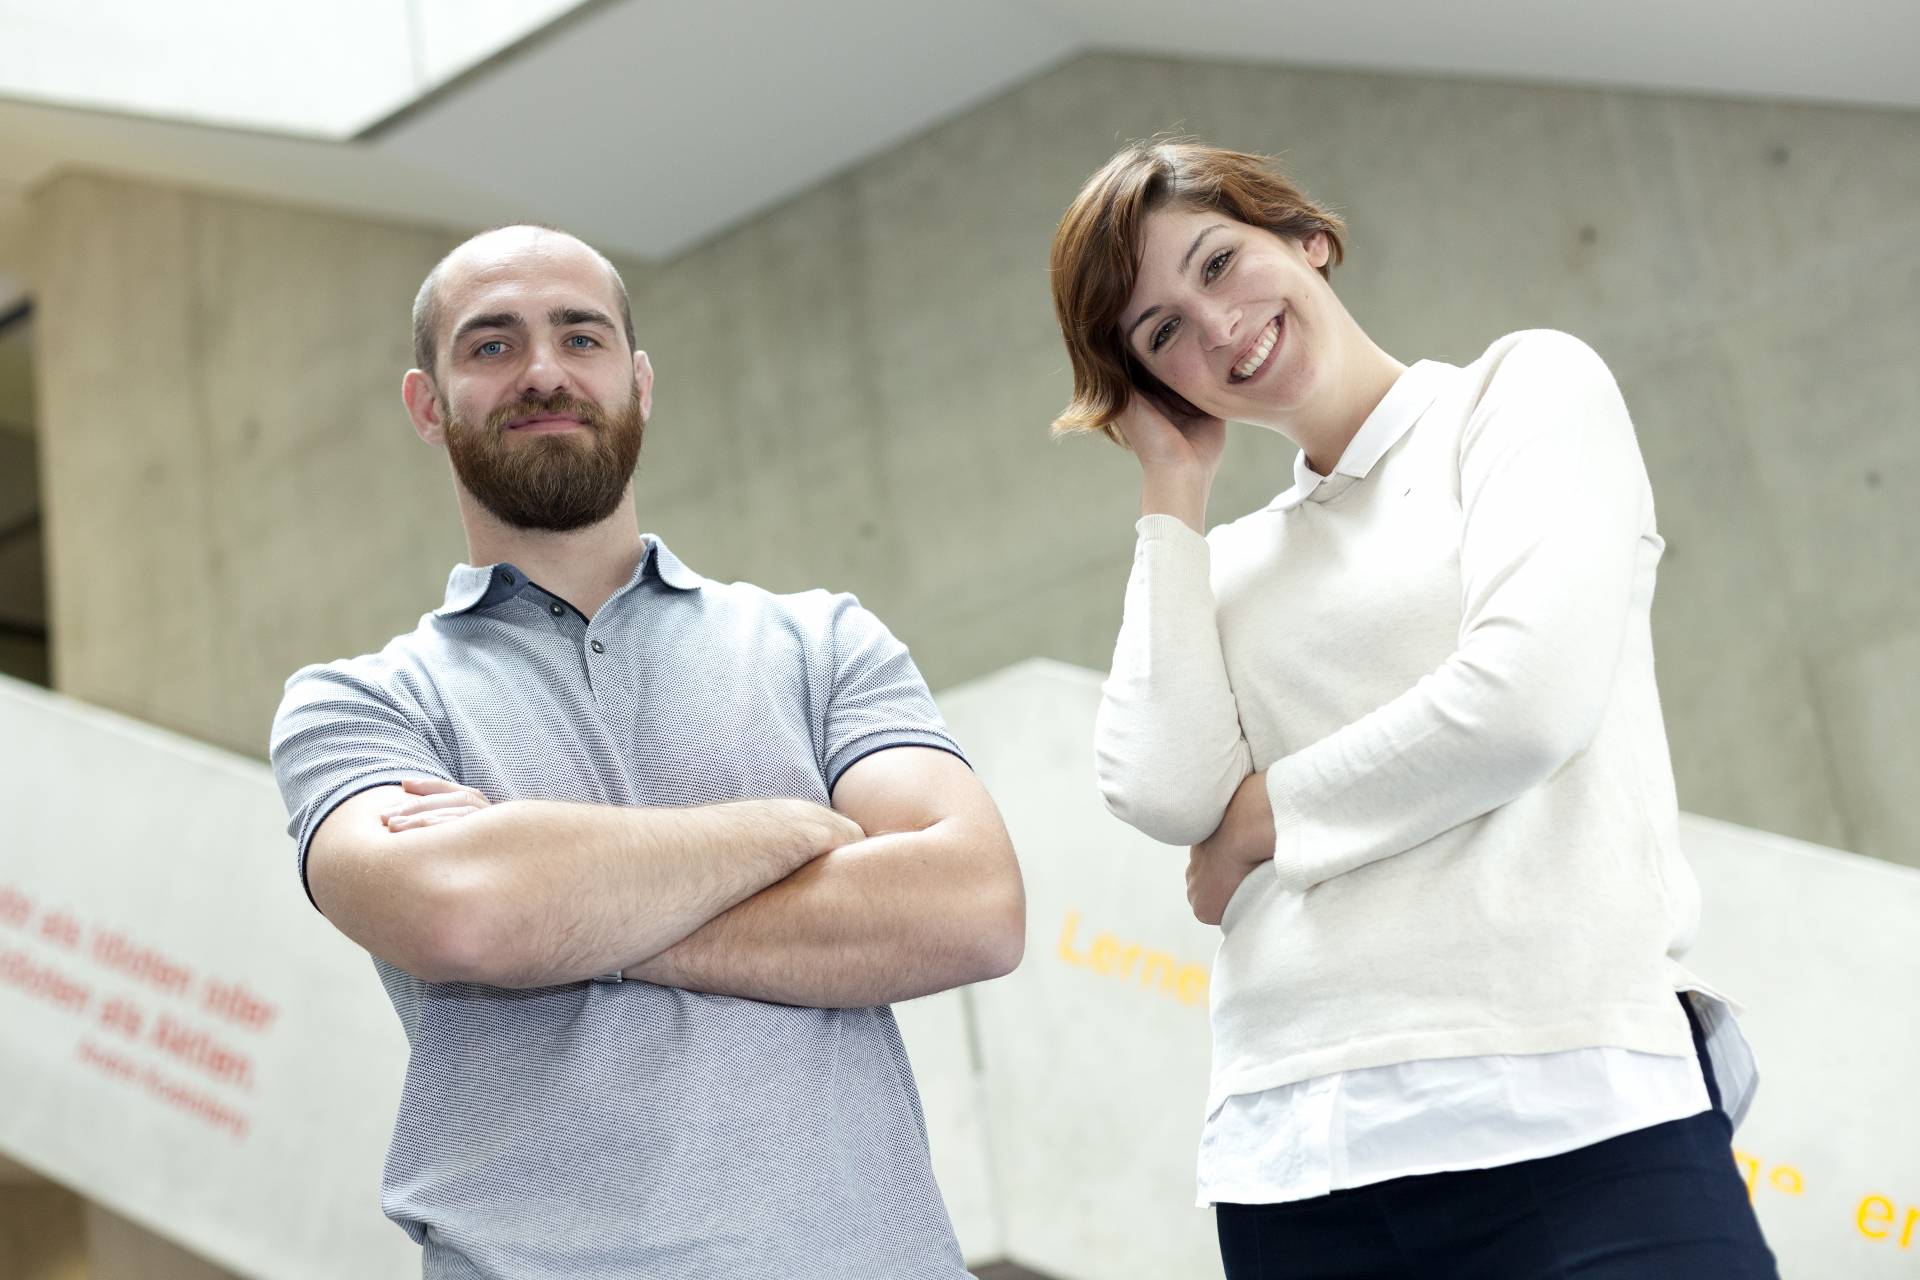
(1193,444)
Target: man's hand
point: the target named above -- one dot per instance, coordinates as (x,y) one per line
(1243,840)
(431,801)
(931,900)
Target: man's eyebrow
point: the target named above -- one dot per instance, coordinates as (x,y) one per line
(561,316)
(1191,250)
(492,320)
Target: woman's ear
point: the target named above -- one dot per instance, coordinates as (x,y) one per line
(1318,249)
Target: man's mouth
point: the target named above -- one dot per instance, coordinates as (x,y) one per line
(545,422)
(1255,357)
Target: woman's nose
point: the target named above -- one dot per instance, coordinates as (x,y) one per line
(1219,323)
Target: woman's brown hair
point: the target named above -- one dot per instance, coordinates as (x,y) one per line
(1096,255)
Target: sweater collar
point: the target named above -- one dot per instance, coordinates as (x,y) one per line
(1393,417)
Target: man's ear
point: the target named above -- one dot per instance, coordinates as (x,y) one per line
(643,382)
(422,399)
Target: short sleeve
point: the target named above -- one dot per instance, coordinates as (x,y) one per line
(876,698)
(339,733)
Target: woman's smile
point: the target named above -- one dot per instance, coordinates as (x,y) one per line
(1256,357)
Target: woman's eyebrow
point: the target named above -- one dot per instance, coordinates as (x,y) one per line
(1195,246)
(1191,250)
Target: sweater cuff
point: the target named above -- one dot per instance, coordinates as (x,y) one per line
(1165,528)
(1289,861)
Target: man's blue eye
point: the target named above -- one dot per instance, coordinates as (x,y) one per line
(487,348)
(583,338)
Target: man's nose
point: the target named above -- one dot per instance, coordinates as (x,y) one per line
(545,372)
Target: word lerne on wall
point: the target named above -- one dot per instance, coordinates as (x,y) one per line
(1116,957)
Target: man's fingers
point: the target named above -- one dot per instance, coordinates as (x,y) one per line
(458,797)
(432,817)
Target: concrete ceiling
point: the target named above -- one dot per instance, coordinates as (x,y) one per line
(650,125)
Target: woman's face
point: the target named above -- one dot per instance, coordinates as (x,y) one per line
(1237,320)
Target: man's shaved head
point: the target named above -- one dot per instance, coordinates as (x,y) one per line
(429,316)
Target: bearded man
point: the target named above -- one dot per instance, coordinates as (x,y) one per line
(640,857)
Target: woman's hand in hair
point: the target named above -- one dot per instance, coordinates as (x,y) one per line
(1243,841)
(1179,453)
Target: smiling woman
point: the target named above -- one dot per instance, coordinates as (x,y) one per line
(1096,260)
(1425,783)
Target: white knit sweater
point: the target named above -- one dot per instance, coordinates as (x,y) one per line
(1440,656)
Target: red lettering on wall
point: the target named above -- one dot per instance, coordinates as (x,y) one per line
(123,1015)
(207,1110)
(199,1050)
(144,964)
(19,971)
(238,1005)
(15,907)
(61,929)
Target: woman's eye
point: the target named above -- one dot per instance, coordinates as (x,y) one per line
(1218,263)
(1161,335)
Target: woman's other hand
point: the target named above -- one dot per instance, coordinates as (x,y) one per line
(1179,456)
(1243,840)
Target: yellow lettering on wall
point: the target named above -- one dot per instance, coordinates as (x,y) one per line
(1749,1167)
(1882,1213)
(1193,985)
(1067,930)
(1112,956)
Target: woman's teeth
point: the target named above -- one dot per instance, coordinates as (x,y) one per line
(1261,350)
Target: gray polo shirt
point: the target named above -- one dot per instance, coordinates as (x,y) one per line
(623,1129)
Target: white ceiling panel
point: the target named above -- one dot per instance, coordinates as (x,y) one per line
(650,125)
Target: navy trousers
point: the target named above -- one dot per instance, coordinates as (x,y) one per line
(1662,1203)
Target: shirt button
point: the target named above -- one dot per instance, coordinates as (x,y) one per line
(597,647)
(555,609)
(507,578)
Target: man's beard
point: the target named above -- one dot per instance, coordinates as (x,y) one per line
(549,482)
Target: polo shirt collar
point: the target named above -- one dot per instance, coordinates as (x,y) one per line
(1415,389)
(472,587)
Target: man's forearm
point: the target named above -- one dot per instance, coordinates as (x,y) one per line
(885,919)
(533,893)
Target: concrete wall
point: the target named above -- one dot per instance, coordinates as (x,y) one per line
(854,391)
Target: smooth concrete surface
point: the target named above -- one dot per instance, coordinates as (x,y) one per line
(42,1231)
(854,391)
(118,1249)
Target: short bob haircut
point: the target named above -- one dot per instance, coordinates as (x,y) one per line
(1096,256)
